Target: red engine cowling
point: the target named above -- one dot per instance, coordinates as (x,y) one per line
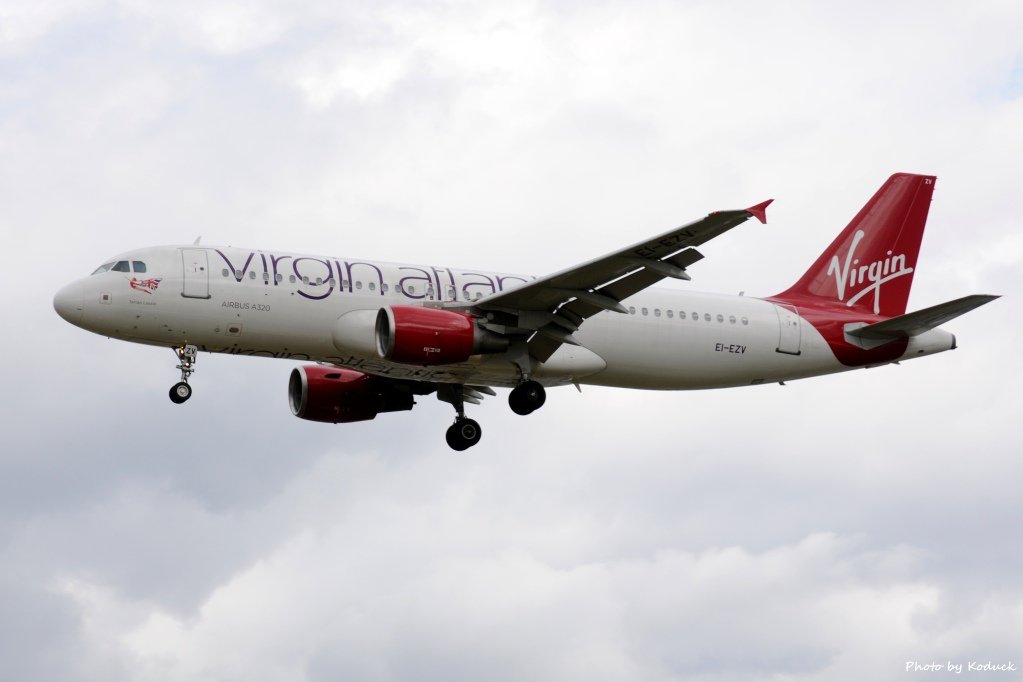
(429,336)
(330,394)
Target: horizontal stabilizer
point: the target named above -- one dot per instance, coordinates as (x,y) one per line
(914,324)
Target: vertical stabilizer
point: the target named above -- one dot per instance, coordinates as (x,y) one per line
(870,266)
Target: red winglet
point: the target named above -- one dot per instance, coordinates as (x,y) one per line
(760,211)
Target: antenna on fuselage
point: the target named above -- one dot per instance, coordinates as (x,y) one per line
(197,239)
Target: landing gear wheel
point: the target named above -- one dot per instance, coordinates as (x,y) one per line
(463,434)
(180,392)
(527,397)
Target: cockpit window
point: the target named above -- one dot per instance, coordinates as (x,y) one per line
(122,266)
(103,268)
(138,266)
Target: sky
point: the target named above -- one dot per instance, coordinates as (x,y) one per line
(839,528)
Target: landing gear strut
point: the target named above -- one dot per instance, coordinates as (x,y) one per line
(465,432)
(181,391)
(527,397)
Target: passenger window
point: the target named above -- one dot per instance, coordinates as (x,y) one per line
(305,279)
(372,286)
(721,319)
(319,281)
(731,319)
(252,274)
(224,272)
(745,321)
(122,266)
(696,317)
(706,317)
(632,310)
(384,287)
(451,294)
(238,274)
(266,276)
(358,285)
(670,314)
(681,314)
(657,312)
(278,278)
(138,266)
(291,278)
(102,268)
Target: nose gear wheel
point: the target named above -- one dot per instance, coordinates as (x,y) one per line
(180,392)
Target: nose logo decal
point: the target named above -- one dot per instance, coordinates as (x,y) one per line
(146,286)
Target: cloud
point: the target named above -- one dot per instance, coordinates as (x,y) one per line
(371,591)
(23,23)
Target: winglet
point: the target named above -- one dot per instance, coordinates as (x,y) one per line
(760,211)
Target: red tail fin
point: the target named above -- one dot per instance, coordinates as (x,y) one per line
(870,266)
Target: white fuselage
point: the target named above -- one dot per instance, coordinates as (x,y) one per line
(282,305)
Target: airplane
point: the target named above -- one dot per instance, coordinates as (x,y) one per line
(377,335)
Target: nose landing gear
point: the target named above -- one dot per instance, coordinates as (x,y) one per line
(181,391)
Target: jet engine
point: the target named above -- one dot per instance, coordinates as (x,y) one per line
(331,394)
(430,336)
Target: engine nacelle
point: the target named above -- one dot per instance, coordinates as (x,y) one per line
(331,394)
(430,336)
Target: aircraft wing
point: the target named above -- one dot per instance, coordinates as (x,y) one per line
(554,306)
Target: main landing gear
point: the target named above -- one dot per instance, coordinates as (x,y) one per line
(527,397)
(465,432)
(181,391)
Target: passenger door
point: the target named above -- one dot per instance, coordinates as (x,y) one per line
(196,276)
(789,329)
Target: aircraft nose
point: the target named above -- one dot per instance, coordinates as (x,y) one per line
(69,302)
